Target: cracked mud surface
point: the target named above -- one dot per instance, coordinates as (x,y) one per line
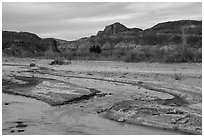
(137,94)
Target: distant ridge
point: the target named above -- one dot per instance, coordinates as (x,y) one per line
(114,36)
(166,33)
(27,44)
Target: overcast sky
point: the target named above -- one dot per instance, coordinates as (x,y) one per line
(71,21)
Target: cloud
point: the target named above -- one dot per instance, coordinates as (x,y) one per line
(75,20)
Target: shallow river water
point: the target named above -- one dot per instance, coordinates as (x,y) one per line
(21,115)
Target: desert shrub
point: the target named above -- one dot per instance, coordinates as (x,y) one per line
(59,61)
(68,55)
(182,54)
(146,52)
(156,55)
(25,54)
(50,54)
(82,53)
(175,54)
(95,49)
(171,56)
(119,53)
(135,56)
(107,53)
(32,64)
(187,55)
(132,57)
(198,57)
(177,77)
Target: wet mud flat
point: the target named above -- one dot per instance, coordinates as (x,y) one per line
(150,103)
(149,113)
(27,116)
(175,113)
(23,115)
(53,92)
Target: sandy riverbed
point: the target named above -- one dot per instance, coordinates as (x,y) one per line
(117,83)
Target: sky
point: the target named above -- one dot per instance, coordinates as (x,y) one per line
(71,21)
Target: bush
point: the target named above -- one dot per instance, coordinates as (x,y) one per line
(95,49)
(51,54)
(132,57)
(150,53)
(177,77)
(187,55)
(107,53)
(182,54)
(59,61)
(198,57)
(135,56)
(32,64)
(119,53)
(68,54)
(156,55)
(171,56)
